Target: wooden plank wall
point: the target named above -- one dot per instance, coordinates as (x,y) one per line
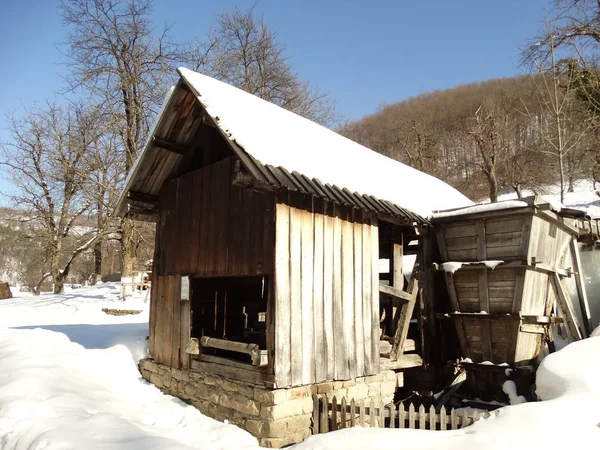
(327,298)
(210,228)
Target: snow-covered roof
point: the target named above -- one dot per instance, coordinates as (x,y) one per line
(279,148)
(280,138)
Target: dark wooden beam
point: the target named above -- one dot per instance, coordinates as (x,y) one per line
(142,197)
(169,146)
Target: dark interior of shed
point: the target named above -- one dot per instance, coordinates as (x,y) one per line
(230,309)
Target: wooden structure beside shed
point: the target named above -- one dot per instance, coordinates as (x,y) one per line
(509,271)
(266,282)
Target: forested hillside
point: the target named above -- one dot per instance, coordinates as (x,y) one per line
(484,137)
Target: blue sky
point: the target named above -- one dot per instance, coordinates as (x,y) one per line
(365,53)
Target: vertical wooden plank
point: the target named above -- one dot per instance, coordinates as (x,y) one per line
(381,415)
(453,419)
(343,416)
(184,358)
(159,305)
(353,412)
(397,262)
(235,239)
(580,284)
(341,354)
(375,293)
(392,415)
(282,296)
(328,287)
(318,301)
(153,290)
(271,324)
(372,423)
(348,291)
(195,220)
(465,422)
(368,301)
(176,320)
(334,414)
(247,244)
(401,416)
(206,226)
(296,342)
(412,416)
(306,268)
(315,414)
(362,413)
(564,302)
(443,419)
(422,418)
(168,321)
(359,334)
(324,428)
(432,419)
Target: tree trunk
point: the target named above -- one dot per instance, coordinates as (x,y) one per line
(493,182)
(97,276)
(128,247)
(517,188)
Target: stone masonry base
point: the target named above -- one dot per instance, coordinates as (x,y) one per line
(277,417)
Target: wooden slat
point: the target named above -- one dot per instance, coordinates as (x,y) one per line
(565,305)
(282,300)
(328,287)
(306,268)
(339,334)
(504,226)
(184,358)
(375,293)
(359,336)
(325,415)
(348,292)
(206,228)
(176,320)
(584,305)
(296,342)
(367,297)
(318,301)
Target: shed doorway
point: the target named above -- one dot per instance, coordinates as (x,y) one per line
(231,311)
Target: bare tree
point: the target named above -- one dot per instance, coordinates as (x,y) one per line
(560,126)
(116,57)
(47,165)
(244,52)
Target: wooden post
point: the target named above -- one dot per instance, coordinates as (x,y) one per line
(422,418)
(324,428)
(581,293)
(334,412)
(315,415)
(362,413)
(411,416)
(343,417)
(564,302)
(406,313)
(443,419)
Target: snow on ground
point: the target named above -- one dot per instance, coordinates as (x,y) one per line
(68,380)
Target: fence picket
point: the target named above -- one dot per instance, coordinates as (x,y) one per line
(422,418)
(453,419)
(401,416)
(465,418)
(443,419)
(411,416)
(432,418)
(315,416)
(334,414)
(362,412)
(325,415)
(340,413)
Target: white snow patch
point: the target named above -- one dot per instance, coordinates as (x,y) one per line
(486,207)
(510,388)
(453,266)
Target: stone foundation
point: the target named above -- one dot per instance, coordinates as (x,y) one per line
(277,417)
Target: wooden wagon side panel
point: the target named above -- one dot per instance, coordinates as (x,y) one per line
(324,297)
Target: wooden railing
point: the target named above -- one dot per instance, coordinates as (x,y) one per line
(333,414)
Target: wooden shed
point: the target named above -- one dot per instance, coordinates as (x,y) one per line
(513,275)
(275,239)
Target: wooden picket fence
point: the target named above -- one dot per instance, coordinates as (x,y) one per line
(332,414)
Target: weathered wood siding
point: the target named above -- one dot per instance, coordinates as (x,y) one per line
(207,228)
(210,228)
(327,297)
(536,243)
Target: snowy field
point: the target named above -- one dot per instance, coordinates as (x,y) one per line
(68,380)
